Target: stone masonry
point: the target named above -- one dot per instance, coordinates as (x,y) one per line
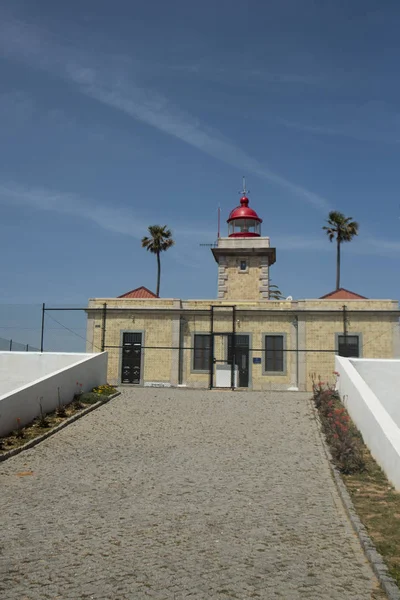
(178,494)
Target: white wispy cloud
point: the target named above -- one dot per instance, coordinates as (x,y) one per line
(118,88)
(249,75)
(123,221)
(387,133)
(112,218)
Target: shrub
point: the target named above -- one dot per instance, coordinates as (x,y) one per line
(19,432)
(105,390)
(42,420)
(343,438)
(90,398)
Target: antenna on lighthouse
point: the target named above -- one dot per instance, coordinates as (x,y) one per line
(244,191)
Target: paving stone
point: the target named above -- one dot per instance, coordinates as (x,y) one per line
(175,494)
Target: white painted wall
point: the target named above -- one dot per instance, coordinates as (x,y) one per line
(53,371)
(379,430)
(383,377)
(20,368)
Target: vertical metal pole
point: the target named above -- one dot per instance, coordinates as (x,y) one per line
(211,361)
(10,345)
(103,332)
(345,327)
(42,335)
(27,347)
(233,365)
(180,354)
(296,324)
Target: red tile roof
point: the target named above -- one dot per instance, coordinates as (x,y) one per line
(140,292)
(342,294)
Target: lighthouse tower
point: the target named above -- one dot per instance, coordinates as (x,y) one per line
(244,257)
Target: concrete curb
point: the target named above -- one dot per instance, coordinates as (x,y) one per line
(44,436)
(375,559)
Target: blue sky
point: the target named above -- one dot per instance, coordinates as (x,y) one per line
(118,115)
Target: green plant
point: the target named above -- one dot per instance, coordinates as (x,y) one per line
(19,432)
(343,229)
(60,410)
(42,420)
(76,401)
(160,240)
(104,390)
(343,438)
(90,398)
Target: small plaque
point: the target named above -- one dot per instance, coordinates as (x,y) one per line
(256,360)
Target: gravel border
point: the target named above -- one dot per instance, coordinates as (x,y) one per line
(376,560)
(44,436)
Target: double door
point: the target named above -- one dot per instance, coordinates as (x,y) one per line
(131,358)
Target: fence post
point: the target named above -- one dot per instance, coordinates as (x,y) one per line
(10,345)
(42,335)
(103,333)
(233,365)
(27,347)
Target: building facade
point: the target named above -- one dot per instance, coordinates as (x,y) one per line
(242,339)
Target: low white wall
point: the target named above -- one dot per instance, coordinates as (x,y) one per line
(24,401)
(383,377)
(20,368)
(380,432)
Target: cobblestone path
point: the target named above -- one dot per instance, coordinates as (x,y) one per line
(175,494)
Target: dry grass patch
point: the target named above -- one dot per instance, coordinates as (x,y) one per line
(375,500)
(378,505)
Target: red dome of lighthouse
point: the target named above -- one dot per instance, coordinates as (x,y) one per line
(243,221)
(243,211)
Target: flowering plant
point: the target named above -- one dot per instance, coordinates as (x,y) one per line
(343,438)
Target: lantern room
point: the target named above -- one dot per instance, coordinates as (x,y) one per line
(244,221)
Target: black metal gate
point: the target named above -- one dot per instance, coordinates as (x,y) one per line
(229,352)
(241,360)
(131,358)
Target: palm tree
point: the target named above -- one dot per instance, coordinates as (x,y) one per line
(343,229)
(275,293)
(160,240)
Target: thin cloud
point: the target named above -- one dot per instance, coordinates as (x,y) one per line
(120,91)
(118,220)
(207,71)
(124,221)
(363,135)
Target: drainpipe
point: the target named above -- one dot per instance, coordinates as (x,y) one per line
(296,326)
(345,327)
(180,353)
(103,332)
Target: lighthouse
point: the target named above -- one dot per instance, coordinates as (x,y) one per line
(244,257)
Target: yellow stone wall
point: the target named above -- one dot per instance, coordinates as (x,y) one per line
(316,332)
(377,332)
(156,329)
(244,285)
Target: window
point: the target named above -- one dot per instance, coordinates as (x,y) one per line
(349,346)
(243,265)
(201,356)
(274,353)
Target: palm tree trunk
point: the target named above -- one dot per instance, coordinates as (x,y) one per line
(338,265)
(158,275)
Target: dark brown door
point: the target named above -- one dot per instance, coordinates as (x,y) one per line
(131,357)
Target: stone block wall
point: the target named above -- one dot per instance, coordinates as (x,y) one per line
(312,333)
